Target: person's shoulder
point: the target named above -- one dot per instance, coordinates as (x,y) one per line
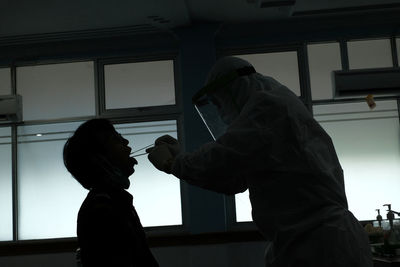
(96,201)
(95,196)
(97,212)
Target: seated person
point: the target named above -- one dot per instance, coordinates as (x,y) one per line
(109,230)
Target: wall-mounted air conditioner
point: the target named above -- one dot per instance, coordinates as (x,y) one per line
(10,108)
(356,83)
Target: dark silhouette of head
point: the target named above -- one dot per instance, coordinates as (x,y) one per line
(90,152)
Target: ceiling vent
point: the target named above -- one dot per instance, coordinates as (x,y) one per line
(276,7)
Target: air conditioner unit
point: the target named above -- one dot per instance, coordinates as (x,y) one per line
(10,108)
(355,83)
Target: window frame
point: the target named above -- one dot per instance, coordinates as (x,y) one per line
(345,67)
(395,42)
(343,60)
(12,182)
(117,116)
(137,111)
(11,76)
(25,63)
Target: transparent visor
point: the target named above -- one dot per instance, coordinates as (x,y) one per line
(206,106)
(210,115)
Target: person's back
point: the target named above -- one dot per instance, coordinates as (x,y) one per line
(296,184)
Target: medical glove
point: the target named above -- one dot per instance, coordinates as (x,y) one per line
(161,157)
(172,144)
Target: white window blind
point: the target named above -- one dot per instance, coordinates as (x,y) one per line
(57,90)
(140,84)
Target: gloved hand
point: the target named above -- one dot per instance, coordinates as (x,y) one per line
(172,144)
(161,157)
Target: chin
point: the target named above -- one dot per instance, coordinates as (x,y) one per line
(126,184)
(130,172)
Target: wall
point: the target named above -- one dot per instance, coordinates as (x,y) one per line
(219,255)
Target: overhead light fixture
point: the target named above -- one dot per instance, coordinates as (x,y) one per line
(274,3)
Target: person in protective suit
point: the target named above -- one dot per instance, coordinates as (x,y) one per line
(108,228)
(267,141)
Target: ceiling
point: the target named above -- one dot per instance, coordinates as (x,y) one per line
(27,17)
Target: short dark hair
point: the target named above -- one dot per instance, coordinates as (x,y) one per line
(82,146)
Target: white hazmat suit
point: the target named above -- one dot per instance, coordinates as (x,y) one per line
(275,148)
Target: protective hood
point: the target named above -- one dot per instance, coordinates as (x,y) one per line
(223,96)
(228,88)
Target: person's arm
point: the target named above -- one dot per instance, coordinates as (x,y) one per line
(212,167)
(226,164)
(222,165)
(208,167)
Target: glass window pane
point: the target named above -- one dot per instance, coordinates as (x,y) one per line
(140,84)
(370,54)
(57,90)
(243,207)
(5,81)
(49,198)
(368,146)
(157,196)
(282,66)
(323,59)
(6,229)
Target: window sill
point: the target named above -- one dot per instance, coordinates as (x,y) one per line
(62,245)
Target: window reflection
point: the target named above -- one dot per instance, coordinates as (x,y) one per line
(6,230)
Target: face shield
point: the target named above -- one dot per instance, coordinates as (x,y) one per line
(210,108)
